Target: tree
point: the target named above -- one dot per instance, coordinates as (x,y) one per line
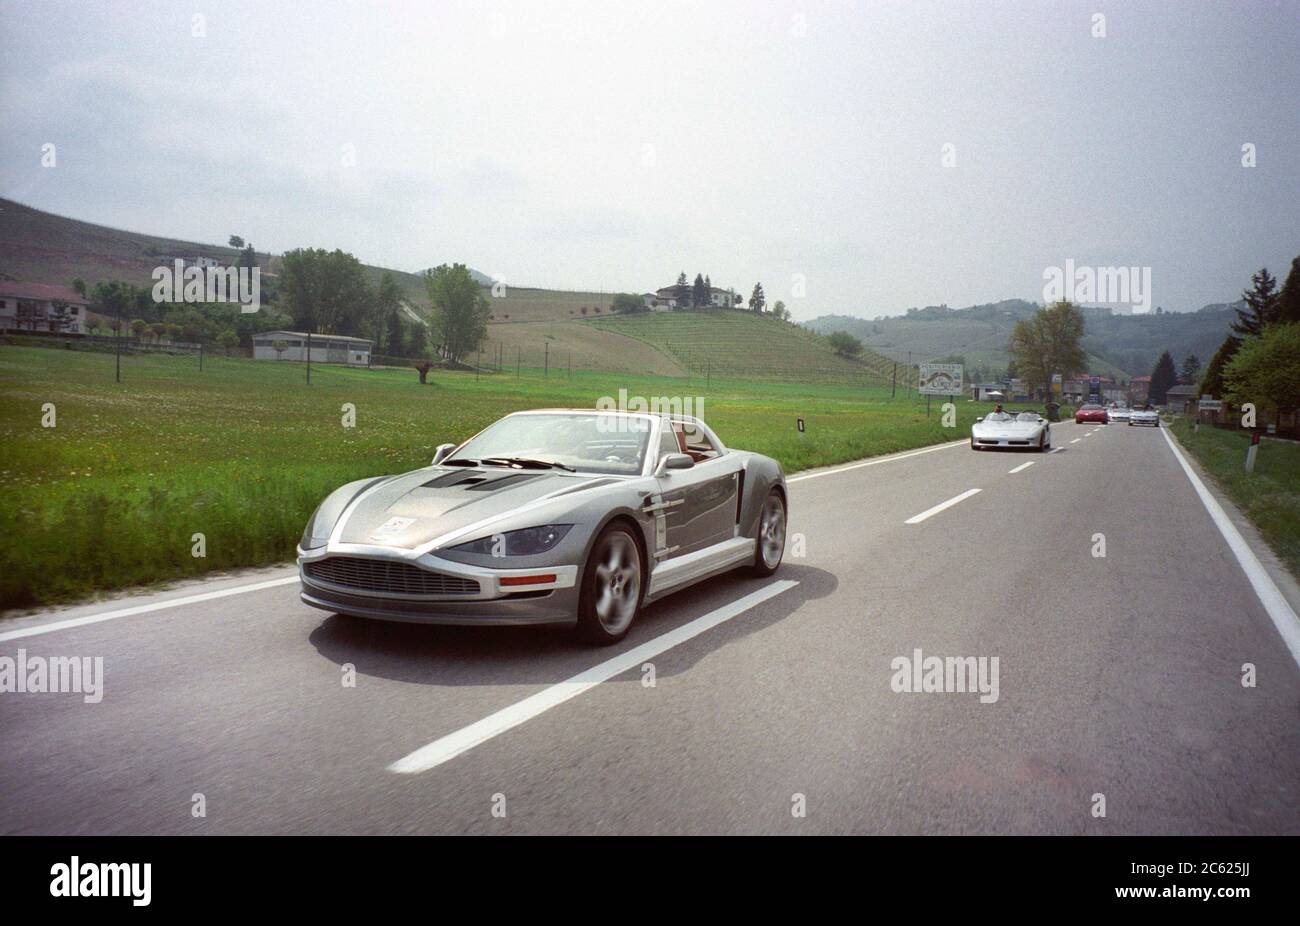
(228,339)
(138,327)
(79,286)
(279,345)
(699,293)
(1212,383)
(757,301)
(325,292)
(627,302)
(1190,374)
(1047,343)
(158,329)
(248,257)
(845,344)
(1163,378)
(460,310)
(237,242)
(1288,300)
(388,311)
(779,311)
(1261,305)
(1266,369)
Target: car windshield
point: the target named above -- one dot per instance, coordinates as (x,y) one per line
(997,416)
(595,443)
(1027,416)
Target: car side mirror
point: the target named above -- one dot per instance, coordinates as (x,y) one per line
(674,461)
(442,452)
(980,418)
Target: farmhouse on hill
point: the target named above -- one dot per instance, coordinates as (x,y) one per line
(41,307)
(668,298)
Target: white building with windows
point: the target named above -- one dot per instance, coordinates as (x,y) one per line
(325,348)
(41,307)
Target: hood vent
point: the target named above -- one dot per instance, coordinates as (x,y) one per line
(476,480)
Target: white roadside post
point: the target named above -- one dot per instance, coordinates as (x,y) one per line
(1250,453)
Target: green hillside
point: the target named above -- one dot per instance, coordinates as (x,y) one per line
(1118,345)
(734,344)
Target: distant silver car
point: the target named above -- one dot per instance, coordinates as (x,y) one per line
(1022,430)
(1119,413)
(1149,417)
(559,516)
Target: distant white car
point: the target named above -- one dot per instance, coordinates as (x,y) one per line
(1023,430)
(1119,413)
(1149,417)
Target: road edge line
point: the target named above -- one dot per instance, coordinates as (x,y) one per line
(1270,596)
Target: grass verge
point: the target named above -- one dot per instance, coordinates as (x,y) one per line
(1270,496)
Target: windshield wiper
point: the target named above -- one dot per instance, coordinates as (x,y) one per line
(461,462)
(526,463)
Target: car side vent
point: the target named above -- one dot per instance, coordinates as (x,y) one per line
(455,479)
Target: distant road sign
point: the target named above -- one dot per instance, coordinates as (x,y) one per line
(940,379)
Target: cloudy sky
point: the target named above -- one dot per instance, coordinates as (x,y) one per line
(611,145)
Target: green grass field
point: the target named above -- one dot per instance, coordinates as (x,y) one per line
(244,450)
(1270,496)
(733,344)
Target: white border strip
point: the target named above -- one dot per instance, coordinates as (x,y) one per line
(1284,619)
(38,629)
(454,744)
(1021,468)
(942,506)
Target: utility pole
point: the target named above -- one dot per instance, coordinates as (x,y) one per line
(546,361)
(519,359)
(117,339)
(894,389)
(308,358)
(200,354)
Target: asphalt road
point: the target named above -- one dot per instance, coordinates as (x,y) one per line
(1118,676)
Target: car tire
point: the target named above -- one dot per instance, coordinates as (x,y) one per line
(1045,444)
(613,587)
(973,445)
(769,547)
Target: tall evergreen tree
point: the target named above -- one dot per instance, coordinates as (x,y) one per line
(1190,374)
(1163,378)
(699,292)
(757,301)
(1212,383)
(1261,305)
(1288,300)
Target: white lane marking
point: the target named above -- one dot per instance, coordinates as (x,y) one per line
(1076,440)
(1284,619)
(872,462)
(141,609)
(930,512)
(1057,449)
(1022,466)
(448,747)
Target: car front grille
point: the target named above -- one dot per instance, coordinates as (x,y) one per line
(387,576)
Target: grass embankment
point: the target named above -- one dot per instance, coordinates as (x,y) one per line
(242,452)
(1270,496)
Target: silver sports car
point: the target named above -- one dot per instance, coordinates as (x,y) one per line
(557,516)
(1001,429)
(1144,417)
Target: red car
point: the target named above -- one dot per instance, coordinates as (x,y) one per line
(1093,414)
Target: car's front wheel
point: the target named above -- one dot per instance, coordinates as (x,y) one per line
(771,536)
(611,587)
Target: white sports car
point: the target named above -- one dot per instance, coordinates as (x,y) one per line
(1118,413)
(1028,430)
(1149,417)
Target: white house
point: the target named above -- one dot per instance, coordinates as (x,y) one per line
(41,307)
(325,348)
(666,299)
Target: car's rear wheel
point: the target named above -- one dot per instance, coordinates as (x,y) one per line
(611,587)
(771,536)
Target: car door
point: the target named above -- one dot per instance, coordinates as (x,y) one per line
(698,505)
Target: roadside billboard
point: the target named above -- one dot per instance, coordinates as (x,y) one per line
(939,379)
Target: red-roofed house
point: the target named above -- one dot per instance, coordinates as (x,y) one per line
(41,307)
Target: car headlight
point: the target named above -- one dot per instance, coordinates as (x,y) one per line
(308,541)
(524,542)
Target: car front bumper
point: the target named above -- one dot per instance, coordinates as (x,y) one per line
(553,602)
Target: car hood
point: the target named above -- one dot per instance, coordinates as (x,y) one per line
(1013,429)
(414,508)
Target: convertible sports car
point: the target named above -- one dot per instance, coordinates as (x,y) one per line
(1149,417)
(1118,413)
(1001,429)
(1092,414)
(557,516)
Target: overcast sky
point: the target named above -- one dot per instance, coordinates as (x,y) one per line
(607,145)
